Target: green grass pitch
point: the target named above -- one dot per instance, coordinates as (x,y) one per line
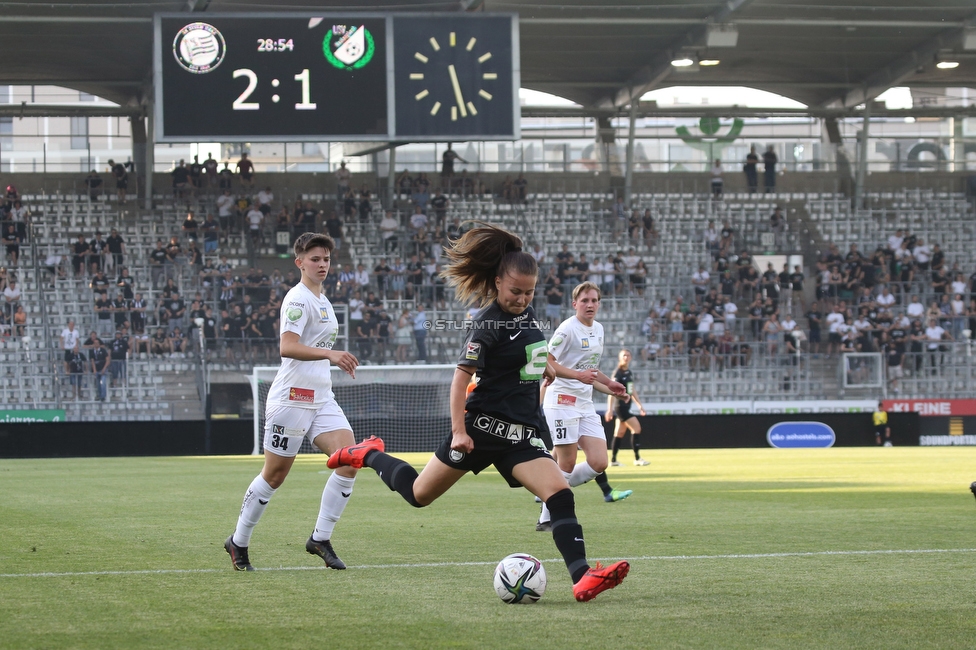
(760,548)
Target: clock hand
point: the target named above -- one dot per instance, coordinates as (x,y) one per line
(457,90)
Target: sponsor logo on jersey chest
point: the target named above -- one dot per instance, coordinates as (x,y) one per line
(301,395)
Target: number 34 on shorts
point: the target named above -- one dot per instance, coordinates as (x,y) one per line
(279,437)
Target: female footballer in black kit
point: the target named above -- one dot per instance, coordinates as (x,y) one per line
(622,409)
(497,423)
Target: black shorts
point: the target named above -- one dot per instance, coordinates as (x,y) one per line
(491,450)
(68,354)
(623,413)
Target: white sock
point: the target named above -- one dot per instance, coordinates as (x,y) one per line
(581,474)
(255,501)
(335,496)
(544,516)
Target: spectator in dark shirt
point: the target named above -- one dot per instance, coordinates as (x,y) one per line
(98,249)
(103,310)
(246,169)
(76,363)
(196,173)
(210,328)
(177,341)
(121,179)
(190,226)
(120,310)
(181,179)
(176,309)
(99,359)
(815,321)
(11,239)
(159,344)
(440,203)
(116,250)
(796,283)
(157,263)
(752,176)
(333,225)
(769,161)
(226,177)
(94,184)
(211,234)
(194,257)
(118,353)
(79,259)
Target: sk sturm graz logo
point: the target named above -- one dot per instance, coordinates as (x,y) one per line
(199,48)
(348,48)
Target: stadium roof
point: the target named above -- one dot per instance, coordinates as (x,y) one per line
(600,53)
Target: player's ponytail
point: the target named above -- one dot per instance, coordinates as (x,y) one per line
(481,255)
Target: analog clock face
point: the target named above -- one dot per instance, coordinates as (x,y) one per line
(454,77)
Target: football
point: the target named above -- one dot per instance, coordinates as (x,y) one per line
(520,578)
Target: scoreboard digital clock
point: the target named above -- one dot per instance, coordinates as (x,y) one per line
(357,76)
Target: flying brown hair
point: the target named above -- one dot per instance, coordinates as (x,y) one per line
(481,255)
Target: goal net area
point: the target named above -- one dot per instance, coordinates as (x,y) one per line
(407,406)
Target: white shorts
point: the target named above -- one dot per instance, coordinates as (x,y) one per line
(286,426)
(567,426)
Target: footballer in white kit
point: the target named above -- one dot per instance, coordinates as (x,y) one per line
(577,346)
(568,404)
(301,406)
(301,394)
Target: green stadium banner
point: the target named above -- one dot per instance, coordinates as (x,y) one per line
(36,415)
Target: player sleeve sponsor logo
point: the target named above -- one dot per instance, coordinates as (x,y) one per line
(556,341)
(472,352)
(293,313)
(301,395)
(569,400)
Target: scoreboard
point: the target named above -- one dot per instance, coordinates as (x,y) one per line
(354,77)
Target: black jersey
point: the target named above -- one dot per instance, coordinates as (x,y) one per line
(509,353)
(625,377)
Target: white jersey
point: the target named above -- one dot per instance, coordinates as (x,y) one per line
(576,346)
(305,384)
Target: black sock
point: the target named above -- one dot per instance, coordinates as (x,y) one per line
(601,480)
(398,474)
(615,448)
(567,533)
(635,441)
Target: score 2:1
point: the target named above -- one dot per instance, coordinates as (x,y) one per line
(241,103)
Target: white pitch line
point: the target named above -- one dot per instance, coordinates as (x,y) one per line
(421,565)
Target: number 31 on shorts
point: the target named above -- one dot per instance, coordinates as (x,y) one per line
(536,356)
